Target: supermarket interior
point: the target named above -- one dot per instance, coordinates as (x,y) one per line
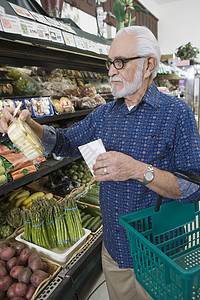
(53,57)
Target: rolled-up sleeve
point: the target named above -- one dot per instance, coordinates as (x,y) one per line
(187,188)
(49,138)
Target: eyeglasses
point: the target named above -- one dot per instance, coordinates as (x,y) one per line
(119,63)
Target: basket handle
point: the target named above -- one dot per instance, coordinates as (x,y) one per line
(181,174)
(158,203)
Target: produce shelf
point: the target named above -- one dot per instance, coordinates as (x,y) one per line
(46,168)
(77,274)
(64,116)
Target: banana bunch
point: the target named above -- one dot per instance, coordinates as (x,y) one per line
(23,198)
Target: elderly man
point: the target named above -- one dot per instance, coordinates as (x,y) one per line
(147,135)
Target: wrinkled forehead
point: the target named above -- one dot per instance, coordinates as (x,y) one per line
(123,46)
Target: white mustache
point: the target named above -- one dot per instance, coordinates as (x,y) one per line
(115,79)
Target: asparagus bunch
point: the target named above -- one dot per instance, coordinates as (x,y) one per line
(61,227)
(73,219)
(27,225)
(50,222)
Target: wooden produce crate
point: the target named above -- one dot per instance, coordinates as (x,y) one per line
(53,269)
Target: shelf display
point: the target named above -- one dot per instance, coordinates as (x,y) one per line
(74,81)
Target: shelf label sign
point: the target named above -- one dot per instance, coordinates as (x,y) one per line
(28,28)
(39,18)
(56,35)
(11,24)
(21,11)
(2,11)
(69,39)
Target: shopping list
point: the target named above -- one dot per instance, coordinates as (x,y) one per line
(91,151)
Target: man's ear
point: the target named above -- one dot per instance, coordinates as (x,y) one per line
(149,66)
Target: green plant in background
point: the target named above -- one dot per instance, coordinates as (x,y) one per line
(187,51)
(123,12)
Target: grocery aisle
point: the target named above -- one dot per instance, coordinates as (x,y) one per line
(98,291)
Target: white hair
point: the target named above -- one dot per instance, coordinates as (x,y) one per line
(147,44)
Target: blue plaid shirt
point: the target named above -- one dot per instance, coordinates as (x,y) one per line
(161,130)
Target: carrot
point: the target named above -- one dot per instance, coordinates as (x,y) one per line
(17,160)
(23,171)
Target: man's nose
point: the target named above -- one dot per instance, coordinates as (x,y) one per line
(112,71)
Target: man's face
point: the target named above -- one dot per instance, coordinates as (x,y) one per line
(128,80)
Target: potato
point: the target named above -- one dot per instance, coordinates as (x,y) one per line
(15,271)
(2,247)
(4,241)
(38,277)
(3,271)
(31,291)
(20,289)
(11,263)
(2,295)
(25,275)
(10,292)
(45,266)
(17,298)
(2,263)
(7,253)
(18,246)
(24,255)
(33,255)
(36,264)
(5,283)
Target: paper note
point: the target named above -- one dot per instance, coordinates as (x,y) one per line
(91,151)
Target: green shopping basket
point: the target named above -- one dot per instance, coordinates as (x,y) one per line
(165,249)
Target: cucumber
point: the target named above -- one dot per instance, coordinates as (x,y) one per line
(93,222)
(96,226)
(93,211)
(85,218)
(81,206)
(82,213)
(86,224)
(94,193)
(90,200)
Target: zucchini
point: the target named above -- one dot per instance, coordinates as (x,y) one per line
(86,224)
(85,218)
(96,226)
(93,222)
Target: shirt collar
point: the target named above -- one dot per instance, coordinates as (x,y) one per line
(151,97)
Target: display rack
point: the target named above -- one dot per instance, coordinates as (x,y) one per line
(21,51)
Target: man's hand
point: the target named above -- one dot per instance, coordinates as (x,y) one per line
(7,114)
(116,166)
